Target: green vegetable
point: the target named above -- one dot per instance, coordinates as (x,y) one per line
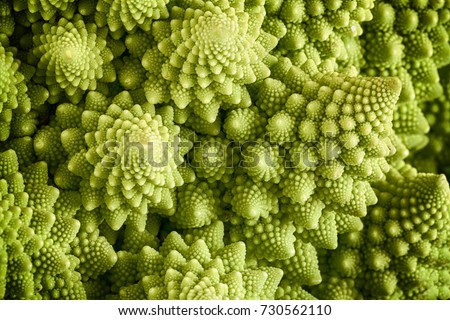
(257,149)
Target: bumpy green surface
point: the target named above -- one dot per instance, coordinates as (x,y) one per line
(206,55)
(257,149)
(127,163)
(71,57)
(129,14)
(403,248)
(410,41)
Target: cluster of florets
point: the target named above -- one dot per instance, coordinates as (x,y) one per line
(216,149)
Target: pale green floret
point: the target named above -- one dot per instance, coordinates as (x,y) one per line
(37,226)
(302,268)
(335,288)
(288,290)
(262,162)
(95,253)
(212,160)
(270,238)
(72,57)
(325,236)
(131,74)
(305,215)
(252,200)
(48,147)
(272,95)
(15,103)
(299,186)
(66,226)
(210,51)
(196,206)
(411,125)
(350,112)
(134,240)
(398,253)
(47,8)
(281,128)
(433,157)
(244,124)
(409,41)
(137,44)
(180,271)
(126,15)
(324,29)
(130,161)
(211,234)
(41,196)
(6,20)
